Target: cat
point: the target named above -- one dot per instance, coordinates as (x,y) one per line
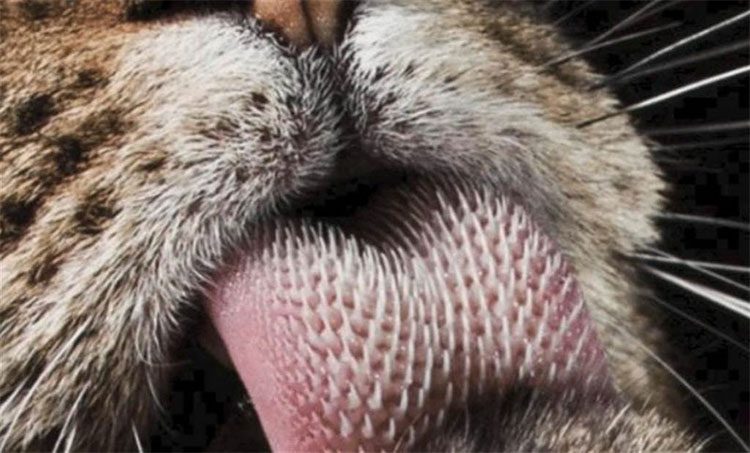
(157,156)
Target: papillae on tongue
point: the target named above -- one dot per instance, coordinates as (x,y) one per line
(346,343)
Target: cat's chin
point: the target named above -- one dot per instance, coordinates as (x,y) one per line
(364,330)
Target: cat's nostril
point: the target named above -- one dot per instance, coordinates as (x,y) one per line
(303,23)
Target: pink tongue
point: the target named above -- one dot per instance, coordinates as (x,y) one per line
(344,345)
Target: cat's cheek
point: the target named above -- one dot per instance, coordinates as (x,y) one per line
(227,112)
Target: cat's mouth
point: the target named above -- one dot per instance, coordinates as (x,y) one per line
(361,321)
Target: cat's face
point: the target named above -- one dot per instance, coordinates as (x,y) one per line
(156,173)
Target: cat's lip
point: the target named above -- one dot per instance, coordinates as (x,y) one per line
(363,334)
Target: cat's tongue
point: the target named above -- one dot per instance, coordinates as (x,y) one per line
(366,335)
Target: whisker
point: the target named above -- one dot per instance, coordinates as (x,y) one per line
(668,95)
(717,127)
(71,438)
(49,368)
(706,144)
(656,11)
(152,389)
(704,220)
(569,56)
(573,12)
(627,21)
(712,388)
(706,346)
(703,264)
(138,444)
(700,269)
(727,301)
(693,165)
(68,419)
(685,384)
(701,446)
(697,321)
(11,398)
(142,357)
(694,58)
(681,42)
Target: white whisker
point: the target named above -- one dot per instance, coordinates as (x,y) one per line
(706,144)
(12,397)
(700,269)
(697,321)
(68,419)
(154,395)
(49,368)
(573,12)
(685,384)
(71,438)
(611,42)
(725,300)
(682,42)
(692,164)
(718,127)
(702,445)
(669,94)
(632,19)
(694,58)
(703,264)
(138,444)
(705,220)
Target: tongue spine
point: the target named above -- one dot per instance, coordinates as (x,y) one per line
(462,309)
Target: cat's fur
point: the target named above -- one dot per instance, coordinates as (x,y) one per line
(134,155)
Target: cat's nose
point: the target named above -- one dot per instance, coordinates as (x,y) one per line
(303,22)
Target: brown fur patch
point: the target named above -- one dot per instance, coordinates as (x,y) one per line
(94,211)
(102,125)
(153,164)
(241,174)
(33,113)
(43,271)
(71,152)
(68,155)
(89,78)
(259,100)
(194,207)
(264,135)
(140,10)
(36,9)
(15,217)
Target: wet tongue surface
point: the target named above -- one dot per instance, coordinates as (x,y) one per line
(364,336)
